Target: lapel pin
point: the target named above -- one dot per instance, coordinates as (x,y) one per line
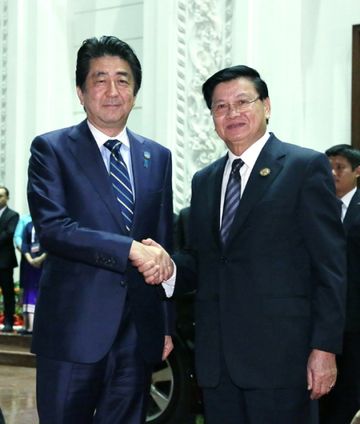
(265,172)
(147,157)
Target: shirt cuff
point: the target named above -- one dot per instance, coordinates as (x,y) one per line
(169,285)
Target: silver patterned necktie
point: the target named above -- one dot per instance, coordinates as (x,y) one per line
(232,199)
(121,183)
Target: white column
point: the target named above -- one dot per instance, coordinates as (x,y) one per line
(40,75)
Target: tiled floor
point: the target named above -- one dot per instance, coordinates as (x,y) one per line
(17,395)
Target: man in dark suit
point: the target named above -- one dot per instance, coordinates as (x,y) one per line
(342,403)
(268,263)
(8,261)
(99,327)
(181,232)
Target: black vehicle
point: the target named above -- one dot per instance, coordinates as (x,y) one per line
(174,394)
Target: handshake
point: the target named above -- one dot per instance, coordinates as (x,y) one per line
(152,260)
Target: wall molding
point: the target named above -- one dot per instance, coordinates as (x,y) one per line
(207,24)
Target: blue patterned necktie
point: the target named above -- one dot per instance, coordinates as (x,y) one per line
(120,181)
(232,199)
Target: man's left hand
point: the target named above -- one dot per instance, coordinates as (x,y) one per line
(168,347)
(321,373)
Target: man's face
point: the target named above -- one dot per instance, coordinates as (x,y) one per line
(239,127)
(3,198)
(344,176)
(108,95)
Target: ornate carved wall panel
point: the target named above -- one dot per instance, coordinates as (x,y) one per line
(203,47)
(3,84)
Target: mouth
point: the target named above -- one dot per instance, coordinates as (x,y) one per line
(112,105)
(236,125)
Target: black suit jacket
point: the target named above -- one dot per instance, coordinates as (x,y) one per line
(8,222)
(277,289)
(352,228)
(87,277)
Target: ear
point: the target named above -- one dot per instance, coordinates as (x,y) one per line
(80,95)
(267,107)
(357,171)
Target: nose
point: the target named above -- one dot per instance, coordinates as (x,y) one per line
(112,89)
(232,110)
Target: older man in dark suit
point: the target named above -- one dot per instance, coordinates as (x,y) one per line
(268,263)
(8,261)
(95,191)
(342,403)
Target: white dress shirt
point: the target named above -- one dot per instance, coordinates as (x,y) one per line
(249,157)
(102,138)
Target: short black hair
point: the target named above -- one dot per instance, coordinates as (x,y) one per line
(347,151)
(6,190)
(234,72)
(106,45)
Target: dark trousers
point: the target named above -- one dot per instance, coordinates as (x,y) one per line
(114,390)
(229,404)
(343,402)
(2,419)
(7,287)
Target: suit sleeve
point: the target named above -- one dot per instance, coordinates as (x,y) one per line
(186,257)
(165,238)
(59,232)
(354,232)
(325,241)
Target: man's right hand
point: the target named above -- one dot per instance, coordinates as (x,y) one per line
(152,261)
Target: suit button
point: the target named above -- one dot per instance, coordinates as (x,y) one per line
(223,259)
(123,283)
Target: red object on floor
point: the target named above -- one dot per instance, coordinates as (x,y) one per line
(18,320)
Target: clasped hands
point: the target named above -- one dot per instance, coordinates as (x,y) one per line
(152,260)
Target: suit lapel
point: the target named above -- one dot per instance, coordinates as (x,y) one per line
(86,151)
(353,211)
(214,196)
(144,169)
(266,169)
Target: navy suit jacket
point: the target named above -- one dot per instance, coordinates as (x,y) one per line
(277,289)
(87,276)
(352,228)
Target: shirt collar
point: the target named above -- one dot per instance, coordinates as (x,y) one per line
(251,153)
(102,138)
(348,196)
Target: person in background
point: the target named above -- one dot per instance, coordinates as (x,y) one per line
(95,190)
(8,261)
(267,260)
(34,256)
(18,239)
(343,402)
(181,230)
(19,230)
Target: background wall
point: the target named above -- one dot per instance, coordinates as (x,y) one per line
(302,48)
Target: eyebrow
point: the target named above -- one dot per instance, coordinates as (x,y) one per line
(103,73)
(236,97)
